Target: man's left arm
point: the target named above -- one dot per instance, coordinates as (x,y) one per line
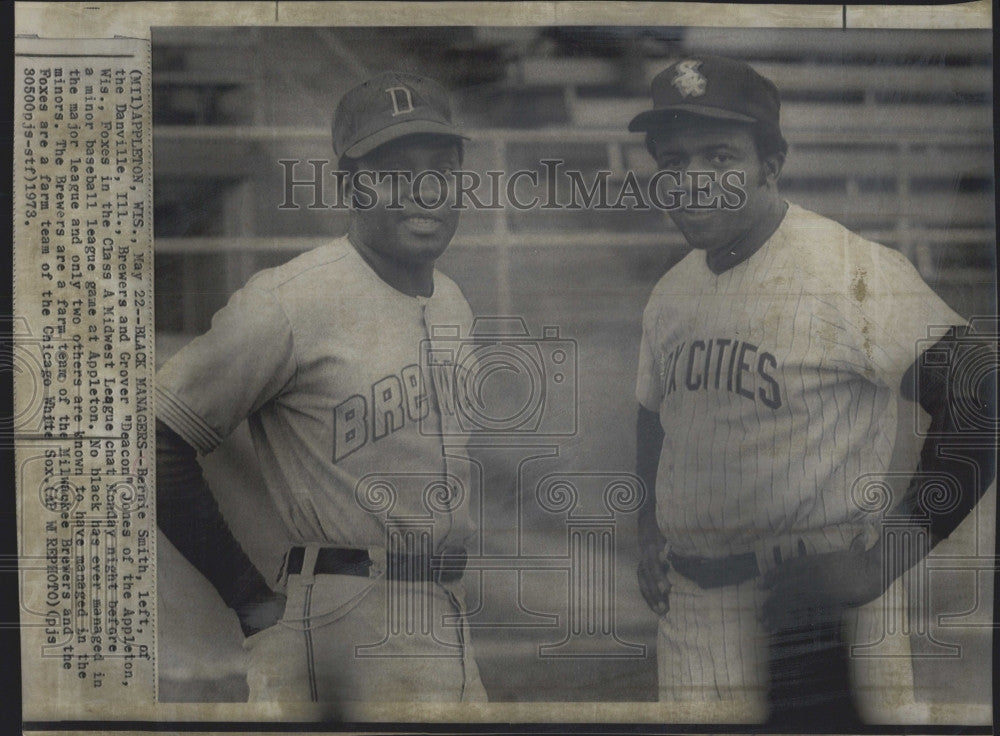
(955,382)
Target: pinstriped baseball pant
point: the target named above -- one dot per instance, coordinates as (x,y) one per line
(347,639)
(711,647)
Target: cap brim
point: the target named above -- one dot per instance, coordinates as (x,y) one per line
(409,127)
(662,117)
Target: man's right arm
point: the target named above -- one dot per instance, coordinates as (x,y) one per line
(648,443)
(203,392)
(189,516)
(652,563)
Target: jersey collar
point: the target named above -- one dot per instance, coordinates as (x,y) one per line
(721,261)
(386,286)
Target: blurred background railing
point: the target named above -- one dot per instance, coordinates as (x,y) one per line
(890,132)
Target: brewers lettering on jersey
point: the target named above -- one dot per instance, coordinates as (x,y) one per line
(771,359)
(322,356)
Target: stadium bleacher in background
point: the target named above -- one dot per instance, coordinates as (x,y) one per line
(890,133)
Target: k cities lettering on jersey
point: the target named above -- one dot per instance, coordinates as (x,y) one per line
(721,364)
(391,403)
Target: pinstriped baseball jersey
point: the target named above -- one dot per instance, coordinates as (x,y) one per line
(323,357)
(776,385)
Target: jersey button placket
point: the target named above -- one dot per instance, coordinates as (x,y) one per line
(428,336)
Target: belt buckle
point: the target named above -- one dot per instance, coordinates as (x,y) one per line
(377,556)
(443,572)
(307,575)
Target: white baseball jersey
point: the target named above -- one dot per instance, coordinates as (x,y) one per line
(324,359)
(776,385)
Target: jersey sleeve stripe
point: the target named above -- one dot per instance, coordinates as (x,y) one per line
(192,428)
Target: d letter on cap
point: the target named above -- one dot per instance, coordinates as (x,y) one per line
(400,95)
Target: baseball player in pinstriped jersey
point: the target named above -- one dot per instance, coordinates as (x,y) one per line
(323,356)
(771,360)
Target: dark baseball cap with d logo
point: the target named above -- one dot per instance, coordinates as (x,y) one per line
(710,86)
(389,106)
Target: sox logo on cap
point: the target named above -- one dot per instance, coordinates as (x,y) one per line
(689,81)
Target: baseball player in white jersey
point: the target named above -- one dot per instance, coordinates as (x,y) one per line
(323,356)
(771,360)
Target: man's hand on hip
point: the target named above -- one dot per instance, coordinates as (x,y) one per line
(652,574)
(261,615)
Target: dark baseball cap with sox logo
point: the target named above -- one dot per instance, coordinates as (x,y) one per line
(712,87)
(388,106)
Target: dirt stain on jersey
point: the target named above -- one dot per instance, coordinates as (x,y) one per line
(858,287)
(859,290)
(866,331)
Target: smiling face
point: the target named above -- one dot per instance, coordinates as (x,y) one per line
(718,147)
(400,227)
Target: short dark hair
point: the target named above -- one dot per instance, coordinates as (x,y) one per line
(766,138)
(769,141)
